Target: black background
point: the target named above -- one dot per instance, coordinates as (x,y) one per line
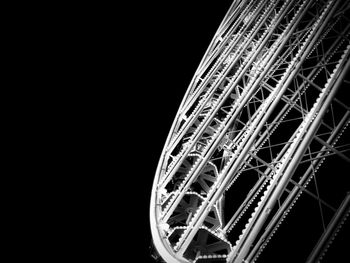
(95,90)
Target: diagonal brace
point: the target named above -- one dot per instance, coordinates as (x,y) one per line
(343,156)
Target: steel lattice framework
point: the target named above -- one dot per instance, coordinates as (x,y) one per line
(260,116)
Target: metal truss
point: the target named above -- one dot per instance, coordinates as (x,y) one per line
(262,113)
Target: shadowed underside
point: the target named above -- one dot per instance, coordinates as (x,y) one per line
(264,110)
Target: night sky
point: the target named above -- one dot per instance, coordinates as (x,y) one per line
(118,74)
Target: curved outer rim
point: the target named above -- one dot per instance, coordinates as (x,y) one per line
(164,250)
